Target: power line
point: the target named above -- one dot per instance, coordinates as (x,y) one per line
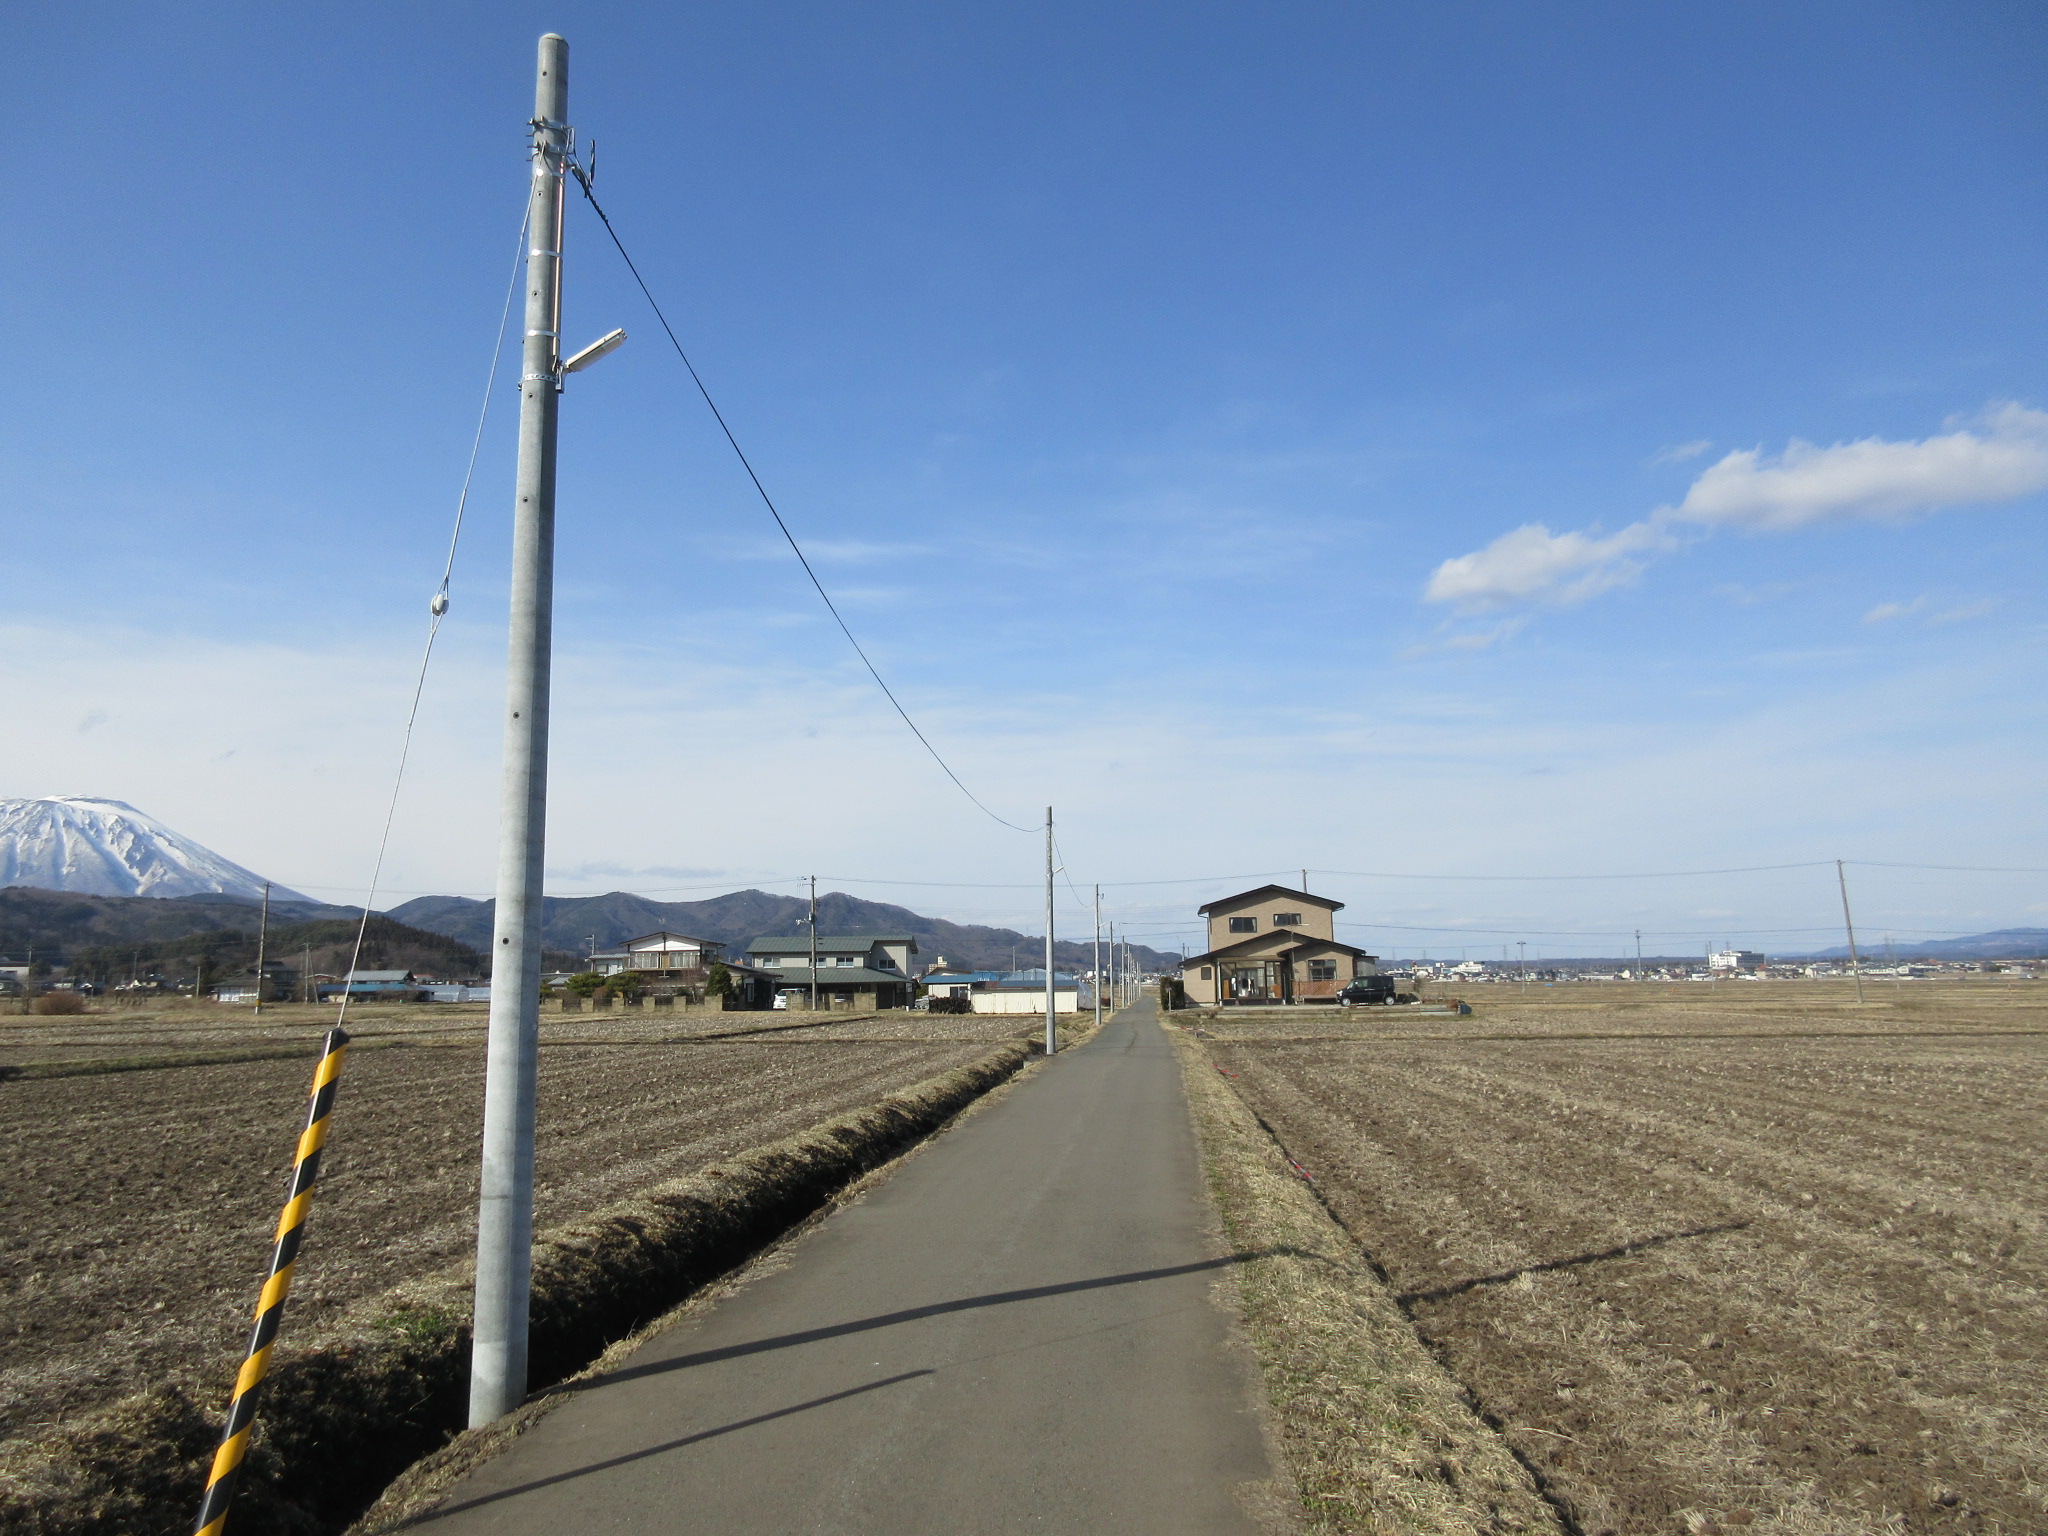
(1659,874)
(583,181)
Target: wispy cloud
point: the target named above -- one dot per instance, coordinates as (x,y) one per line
(1682,451)
(2000,457)
(1886,613)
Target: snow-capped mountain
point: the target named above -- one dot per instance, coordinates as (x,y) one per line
(107,848)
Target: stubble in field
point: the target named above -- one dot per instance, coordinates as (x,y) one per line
(138,1206)
(1764,1278)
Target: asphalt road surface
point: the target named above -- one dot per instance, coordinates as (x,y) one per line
(1017,1331)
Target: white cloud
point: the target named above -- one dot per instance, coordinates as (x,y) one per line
(2002,456)
(1884,613)
(1532,564)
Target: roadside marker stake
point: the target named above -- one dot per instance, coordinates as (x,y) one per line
(291,1226)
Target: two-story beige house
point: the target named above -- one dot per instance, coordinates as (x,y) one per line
(1273,945)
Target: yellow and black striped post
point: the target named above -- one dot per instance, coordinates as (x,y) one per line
(291,1226)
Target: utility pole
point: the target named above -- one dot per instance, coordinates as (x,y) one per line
(504,1239)
(1522,961)
(306,976)
(1848,922)
(813,921)
(1639,955)
(262,946)
(1113,1003)
(1095,974)
(1051,996)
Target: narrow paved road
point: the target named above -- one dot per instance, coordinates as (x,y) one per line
(1014,1332)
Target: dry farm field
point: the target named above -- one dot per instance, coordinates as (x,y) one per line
(145,1157)
(1759,1261)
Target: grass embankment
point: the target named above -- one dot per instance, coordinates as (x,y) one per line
(1379,1437)
(345,1413)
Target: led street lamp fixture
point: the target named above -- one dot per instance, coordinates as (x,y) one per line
(609,342)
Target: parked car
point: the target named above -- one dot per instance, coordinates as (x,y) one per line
(1367,989)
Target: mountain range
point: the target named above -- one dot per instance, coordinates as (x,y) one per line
(2001,944)
(578,924)
(135,881)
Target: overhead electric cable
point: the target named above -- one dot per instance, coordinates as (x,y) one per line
(1962,869)
(583,181)
(437,610)
(1657,874)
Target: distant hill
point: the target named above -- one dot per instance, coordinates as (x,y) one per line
(574,923)
(2000,944)
(109,848)
(111,936)
(58,922)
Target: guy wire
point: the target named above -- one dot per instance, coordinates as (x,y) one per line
(438,610)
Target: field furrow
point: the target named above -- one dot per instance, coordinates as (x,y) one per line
(1775,1284)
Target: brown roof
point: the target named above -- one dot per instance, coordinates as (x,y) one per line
(1302,942)
(1260,890)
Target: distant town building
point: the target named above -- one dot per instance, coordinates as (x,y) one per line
(1736,960)
(377,986)
(1273,945)
(854,970)
(658,952)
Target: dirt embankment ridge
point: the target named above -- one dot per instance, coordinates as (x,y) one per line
(345,1412)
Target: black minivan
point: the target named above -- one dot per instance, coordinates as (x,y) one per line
(1367,989)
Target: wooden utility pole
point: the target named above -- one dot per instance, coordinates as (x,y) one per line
(262,945)
(1848,922)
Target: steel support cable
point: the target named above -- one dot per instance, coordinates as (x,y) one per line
(437,611)
(583,181)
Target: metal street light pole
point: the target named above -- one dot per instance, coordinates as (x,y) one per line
(1051,997)
(504,1248)
(1095,975)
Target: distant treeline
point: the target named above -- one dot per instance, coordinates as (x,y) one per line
(387,945)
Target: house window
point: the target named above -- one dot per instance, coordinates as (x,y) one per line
(1286,919)
(1322,970)
(843,960)
(1244,925)
(1208,973)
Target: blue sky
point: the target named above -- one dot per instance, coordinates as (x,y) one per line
(1133,372)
